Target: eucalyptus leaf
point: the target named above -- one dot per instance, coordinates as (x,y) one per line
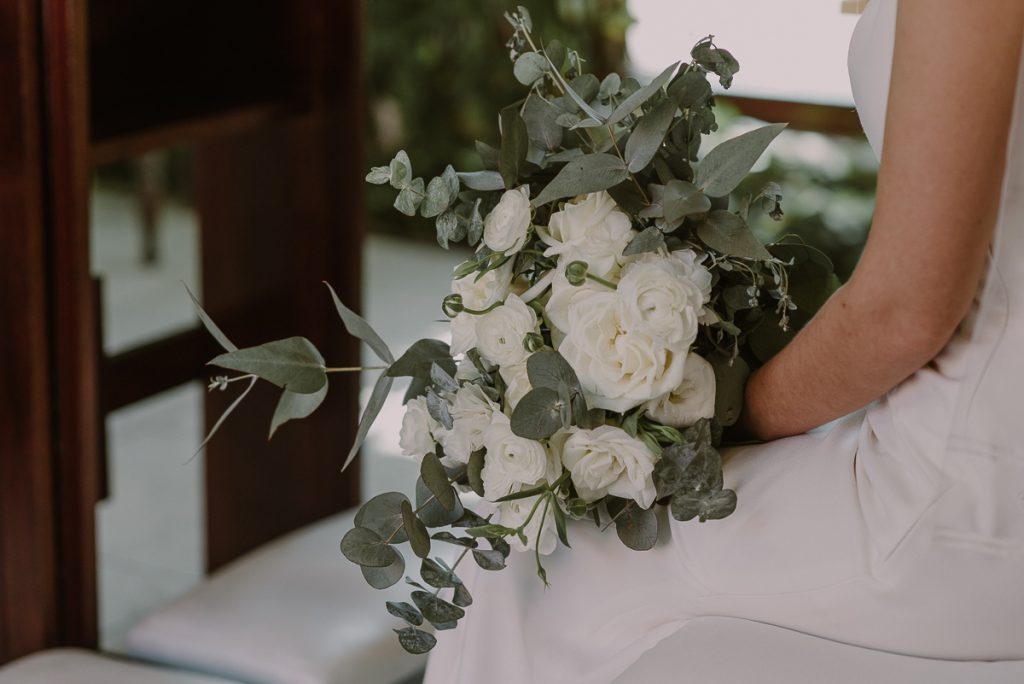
(420,357)
(292,406)
(543,130)
(442,379)
(432,513)
(435,609)
(379,175)
(416,641)
(550,369)
(730,386)
(400,170)
(363,546)
(560,527)
(515,143)
(461,596)
(373,407)
(410,197)
(227,412)
(449,538)
(637,528)
(726,233)
(439,193)
(589,173)
(610,86)
(682,199)
(434,477)
(489,559)
(538,415)
(357,326)
(629,105)
(419,538)
(439,409)
(382,578)
(475,225)
(690,89)
(383,515)
(482,180)
(293,364)
(210,326)
(703,505)
(648,135)
(449,229)
(726,165)
(474,471)
(437,576)
(405,611)
(529,67)
(650,239)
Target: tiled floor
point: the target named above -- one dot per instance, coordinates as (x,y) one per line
(150,529)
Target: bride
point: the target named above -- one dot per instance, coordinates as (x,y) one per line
(899,527)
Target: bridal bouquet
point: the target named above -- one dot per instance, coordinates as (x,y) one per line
(601,332)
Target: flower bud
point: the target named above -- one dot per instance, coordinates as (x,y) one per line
(452,305)
(576,273)
(533,342)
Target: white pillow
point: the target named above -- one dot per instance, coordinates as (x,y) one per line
(292,612)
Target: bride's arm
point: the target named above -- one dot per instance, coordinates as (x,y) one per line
(950,107)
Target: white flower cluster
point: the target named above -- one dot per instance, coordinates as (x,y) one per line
(626,326)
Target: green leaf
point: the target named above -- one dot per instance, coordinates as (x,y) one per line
(730,386)
(560,527)
(440,193)
(688,467)
(224,416)
(811,275)
(716,60)
(373,407)
(449,538)
(610,86)
(482,180)
(538,415)
(649,134)
(523,494)
(293,364)
(577,98)
(690,89)
(433,514)
(474,470)
(489,559)
(589,173)
(703,505)
(727,164)
(515,143)
(529,67)
(650,239)
(442,379)
(436,480)
(475,229)
(629,105)
(449,229)
(419,538)
(405,611)
(541,125)
(682,199)
(363,546)
(726,233)
(437,576)
(435,609)
(401,170)
(550,369)
(357,326)
(292,406)
(382,578)
(415,641)
(379,175)
(418,359)
(410,197)
(637,528)
(210,326)
(461,597)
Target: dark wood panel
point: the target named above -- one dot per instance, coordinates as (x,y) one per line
(804,116)
(73,317)
(27,583)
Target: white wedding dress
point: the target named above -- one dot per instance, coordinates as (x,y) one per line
(899,528)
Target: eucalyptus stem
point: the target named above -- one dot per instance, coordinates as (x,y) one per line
(354,369)
(615,146)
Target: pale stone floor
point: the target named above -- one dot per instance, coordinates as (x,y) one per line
(150,529)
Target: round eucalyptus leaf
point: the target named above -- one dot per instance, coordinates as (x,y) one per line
(383,515)
(433,514)
(529,67)
(415,641)
(492,559)
(382,578)
(538,415)
(462,597)
(703,505)
(449,538)
(437,576)
(405,611)
(637,528)
(435,609)
(363,546)
(436,479)
(419,538)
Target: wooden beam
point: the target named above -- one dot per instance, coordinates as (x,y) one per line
(804,116)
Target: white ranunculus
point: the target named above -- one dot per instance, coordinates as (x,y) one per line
(513,462)
(606,460)
(665,295)
(416,437)
(692,400)
(507,226)
(517,383)
(591,229)
(480,294)
(540,532)
(471,412)
(500,332)
(563,296)
(619,365)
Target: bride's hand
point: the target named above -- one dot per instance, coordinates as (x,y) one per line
(949,113)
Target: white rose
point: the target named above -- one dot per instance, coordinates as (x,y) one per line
(562,299)
(606,460)
(692,400)
(507,227)
(418,427)
(517,383)
(665,295)
(480,294)
(471,413)
(591,229)
(513,462)
(619,365)
(500,332)
(540,532)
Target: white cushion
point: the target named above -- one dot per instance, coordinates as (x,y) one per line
(292,612)
(73,666)
(716,650)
